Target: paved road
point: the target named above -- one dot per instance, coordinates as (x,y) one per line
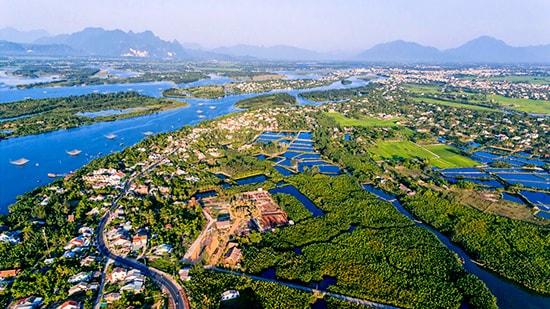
(176,293)
(307,289)
(179,299)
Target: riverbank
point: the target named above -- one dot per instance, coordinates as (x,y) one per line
(39,116)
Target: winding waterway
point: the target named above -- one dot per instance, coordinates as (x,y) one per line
(509,294)
(47,153)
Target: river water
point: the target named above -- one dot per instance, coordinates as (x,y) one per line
(47,153)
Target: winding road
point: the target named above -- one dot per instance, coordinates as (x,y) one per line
(178,298)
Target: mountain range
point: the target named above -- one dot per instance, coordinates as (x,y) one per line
(117,43)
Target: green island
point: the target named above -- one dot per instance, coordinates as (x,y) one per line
(268,100)
(45,115)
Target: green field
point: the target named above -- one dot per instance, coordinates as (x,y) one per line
(442,156)
(457,105)
(367,122)
(399,150)
(449,157)
(522,105)
(529,79)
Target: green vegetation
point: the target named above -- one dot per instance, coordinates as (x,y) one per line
(268,100)
(442,156)
(522,105)
(334,95)
(455,104)
(207,286)
(385,259)
(515,249)
(448,157)
(399,150)
(365,122)
(45,115)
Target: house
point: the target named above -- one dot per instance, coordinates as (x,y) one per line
(70,304)
(118,274)
(233,255)
(184,274)
(135,286)
(8,275)
(80,287)
(111,297)
(132,275)
(162,249)
(139,242)
(230,294)
(81,276)
(28,303)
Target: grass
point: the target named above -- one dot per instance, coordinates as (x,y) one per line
(449,157)
(529,79)
(456,105)
(442,156)
(522,105)
(367,122)
(399,150)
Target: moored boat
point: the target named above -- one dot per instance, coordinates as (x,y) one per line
(52,175)
(75,152)
(148,133)
(21,161)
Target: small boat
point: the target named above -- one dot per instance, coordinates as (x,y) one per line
(201,116)
(148,133)
(21,161)
(199,111)
(212,107)
(75,152)
(121,144)
(477,263)
(37,164)
(110,136)
(52,175)
(201,104)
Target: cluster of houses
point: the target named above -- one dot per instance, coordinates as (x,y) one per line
(129,280)
(81,282)
(10,237)
(79,243)
(121,242)
(105,177)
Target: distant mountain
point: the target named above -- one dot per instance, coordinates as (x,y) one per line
(401,51)
(117,43)
(484,49)
(14,35)
(278,52)
(19,49)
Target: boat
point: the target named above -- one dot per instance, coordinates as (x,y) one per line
(148,133)
(110,136)
(477,263)
(201,104)
(75,152)
(212,107)
(52,175)
(201,116)
(21,161)
(199,111)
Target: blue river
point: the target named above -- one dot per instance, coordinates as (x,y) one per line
(47,153)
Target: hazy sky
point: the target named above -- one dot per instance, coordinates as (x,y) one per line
(322,25)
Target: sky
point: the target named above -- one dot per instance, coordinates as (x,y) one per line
(321,25)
